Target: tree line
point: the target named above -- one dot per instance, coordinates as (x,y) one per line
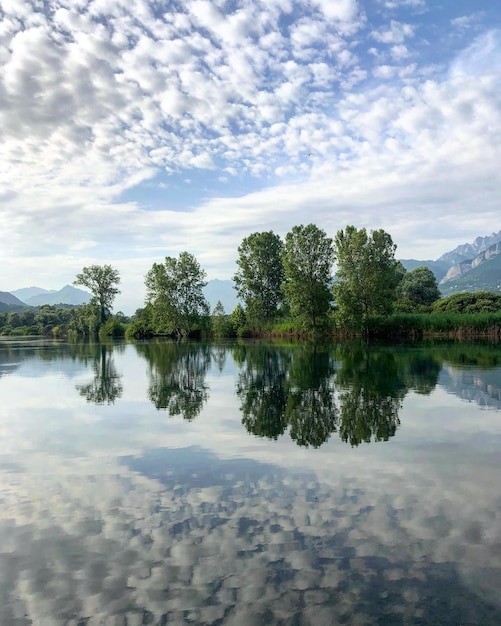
(305,283)
(288,284)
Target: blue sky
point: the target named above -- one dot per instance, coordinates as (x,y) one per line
(132,130)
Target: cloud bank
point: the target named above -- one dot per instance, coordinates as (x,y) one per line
(134,130)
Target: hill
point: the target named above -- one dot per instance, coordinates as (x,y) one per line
(485,276)
(66,295)
(28,292)
(472,266)
(468,251)
(439,268)
(7,298)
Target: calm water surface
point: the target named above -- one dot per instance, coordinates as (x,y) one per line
(244,483)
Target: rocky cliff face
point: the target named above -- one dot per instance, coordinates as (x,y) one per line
(465,266)
(468,251)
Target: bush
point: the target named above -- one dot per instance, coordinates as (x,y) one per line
(138,330)
(477,302)
(112,328)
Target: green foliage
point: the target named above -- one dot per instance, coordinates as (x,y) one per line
(112,328)
(175,294)
(102,281)
(138,330)
(417,290)
(307,258)
(84,320)
(239,321)
(260,275)
(415,325)
(221,322)
(367,276)
(477,302)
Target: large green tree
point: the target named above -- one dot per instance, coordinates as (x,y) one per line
(367,276)
(417,290)
(308,258)
(260,274)
(102,281)
(175,291)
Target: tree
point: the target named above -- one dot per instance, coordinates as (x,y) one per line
(221,322)
(238,319)
(367,276)
(417,290)
(175,291)
(308,258)
(102,281)
(260,275)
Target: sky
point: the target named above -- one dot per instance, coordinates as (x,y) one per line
(131,130)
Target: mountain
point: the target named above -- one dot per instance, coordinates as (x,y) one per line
(221,290)
(465,266)
(485,275)
(66,295)
(469,251)
(7,298)
(439,268)
(28,292)
(470,267)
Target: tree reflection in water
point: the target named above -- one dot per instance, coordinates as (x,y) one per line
(177,372)
(311,411)
(284,388)
(297,388)
(309,391)
(106,386)
(262,388)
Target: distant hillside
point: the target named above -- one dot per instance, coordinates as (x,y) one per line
(28,292)
(7,298)
(8,308)
(439,268)
(66,295)
(485,276)
(469,267)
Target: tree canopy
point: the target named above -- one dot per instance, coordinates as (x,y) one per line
(417,290)
(260,275)
(367,276)
(308,258)
(102,281)
(174,289)
(477,302)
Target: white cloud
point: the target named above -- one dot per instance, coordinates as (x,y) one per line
(396,4)
(482,57)
(112,99)
(465,22)
(397,33)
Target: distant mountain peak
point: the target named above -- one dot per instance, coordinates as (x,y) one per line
(467,251)
(36,296)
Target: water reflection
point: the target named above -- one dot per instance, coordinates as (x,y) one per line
(177,374)
(372,392)
(106,385)
(262,388)
(129,520)
(298,389)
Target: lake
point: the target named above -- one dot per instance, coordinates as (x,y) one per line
(249,483)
